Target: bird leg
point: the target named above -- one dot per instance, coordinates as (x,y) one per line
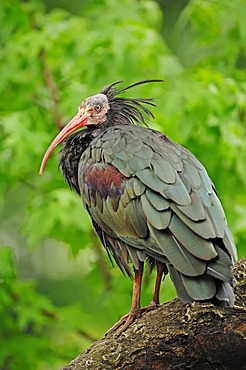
(135,311)
(160,267)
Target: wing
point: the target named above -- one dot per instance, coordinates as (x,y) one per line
(157,199)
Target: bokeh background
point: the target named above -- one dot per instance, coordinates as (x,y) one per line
(58,291)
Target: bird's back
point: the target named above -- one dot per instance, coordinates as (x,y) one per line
(150,197)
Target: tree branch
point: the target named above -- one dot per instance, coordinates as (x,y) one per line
(49,79)
(51,86)
(174,336)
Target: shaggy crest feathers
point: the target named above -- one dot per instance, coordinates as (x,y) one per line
(128,108)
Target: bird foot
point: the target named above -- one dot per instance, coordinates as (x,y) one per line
(152,306)
(126,320)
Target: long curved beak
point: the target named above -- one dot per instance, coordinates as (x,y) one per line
(77,122)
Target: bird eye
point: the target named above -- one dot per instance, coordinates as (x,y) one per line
(97,108)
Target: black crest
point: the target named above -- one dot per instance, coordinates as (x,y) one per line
(128,109)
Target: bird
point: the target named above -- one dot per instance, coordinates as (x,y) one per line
(150,200)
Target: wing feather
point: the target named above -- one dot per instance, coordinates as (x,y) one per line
(166,208)
(197,246)
(159,219)
(195,210)
(177,255)
(157,201)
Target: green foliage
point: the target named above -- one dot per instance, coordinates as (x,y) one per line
(28,339)
(58,290)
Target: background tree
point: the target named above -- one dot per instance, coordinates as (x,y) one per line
(58,290)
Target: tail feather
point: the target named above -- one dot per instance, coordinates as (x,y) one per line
(177,281)
(200,288)
(225,293)
(218,275)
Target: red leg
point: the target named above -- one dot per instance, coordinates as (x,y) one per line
(160,270)
(135,311)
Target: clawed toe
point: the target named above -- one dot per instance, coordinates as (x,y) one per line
(126,320)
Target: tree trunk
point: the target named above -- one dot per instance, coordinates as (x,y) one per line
(174,336)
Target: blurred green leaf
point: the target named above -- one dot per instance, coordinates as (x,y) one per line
(58,291)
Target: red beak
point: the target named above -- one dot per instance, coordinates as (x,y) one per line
(77,122)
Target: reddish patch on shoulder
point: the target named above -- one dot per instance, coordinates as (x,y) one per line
(105,179)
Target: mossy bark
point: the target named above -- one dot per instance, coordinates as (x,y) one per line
(175,336)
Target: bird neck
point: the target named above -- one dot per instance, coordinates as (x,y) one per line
(75,145)
(73,148)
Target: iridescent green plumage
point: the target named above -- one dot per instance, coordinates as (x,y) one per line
(149,199)
(169,219)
